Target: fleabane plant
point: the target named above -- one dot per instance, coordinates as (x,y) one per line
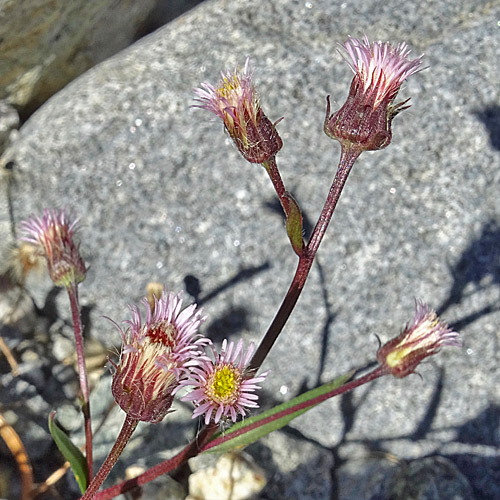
(164,354)
(54,235)
(422,338)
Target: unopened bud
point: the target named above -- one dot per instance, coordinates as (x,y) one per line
(416,342)
(235,101)
(364,121)
(53,234)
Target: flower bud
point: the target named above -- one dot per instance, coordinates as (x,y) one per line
(53,235)
(235,101)
(364,121)
(423,338)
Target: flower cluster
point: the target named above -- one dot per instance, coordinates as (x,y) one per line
(165,353)
(235,101)
(53,234)
(364,121)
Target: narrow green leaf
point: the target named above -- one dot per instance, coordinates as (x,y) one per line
(294,226)
(70,452)
(257,431)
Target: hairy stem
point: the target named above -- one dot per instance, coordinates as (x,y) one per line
(203,442)
(82,373)
(274,175)
(348,157)
(128,428)
(191,450)
(349,386)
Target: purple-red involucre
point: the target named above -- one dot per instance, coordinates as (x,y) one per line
(235,101)
(422,338)
(364,121)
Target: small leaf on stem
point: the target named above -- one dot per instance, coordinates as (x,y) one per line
(70,452)
(294,226)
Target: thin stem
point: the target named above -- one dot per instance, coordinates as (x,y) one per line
(203,443)
(191,450)
(349,386)
(274,175)
(128,428)
(82,373)
(347,159)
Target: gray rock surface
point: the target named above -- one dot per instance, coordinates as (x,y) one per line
(164,196)
(430,478)
(47,43)
(9,121)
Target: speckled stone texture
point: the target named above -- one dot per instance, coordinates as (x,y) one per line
(46,43)
(164,196)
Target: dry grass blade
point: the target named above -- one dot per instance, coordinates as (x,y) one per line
(16,447)
(14,367)
(51,480)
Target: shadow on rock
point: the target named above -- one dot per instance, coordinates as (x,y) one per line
(490,116)
(478,266)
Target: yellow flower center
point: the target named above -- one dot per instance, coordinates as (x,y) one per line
(230,86)
(223,385)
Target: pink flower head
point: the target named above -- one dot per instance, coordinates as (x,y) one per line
(222,388)
(379,71)
(156,355)
(53,234)
(381,67)
(235,101)
(417,341)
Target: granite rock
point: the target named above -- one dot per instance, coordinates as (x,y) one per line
(45,44)
(429,478)
(234,475)
(164,196)
(9,121)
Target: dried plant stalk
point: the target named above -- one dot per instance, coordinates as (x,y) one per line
(14,367)
(16,447)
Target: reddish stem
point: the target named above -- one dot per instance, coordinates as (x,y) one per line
(349,386)
(203,443)
(347,159)
(191,450)
(82,373)
(128,428)
(274,175)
